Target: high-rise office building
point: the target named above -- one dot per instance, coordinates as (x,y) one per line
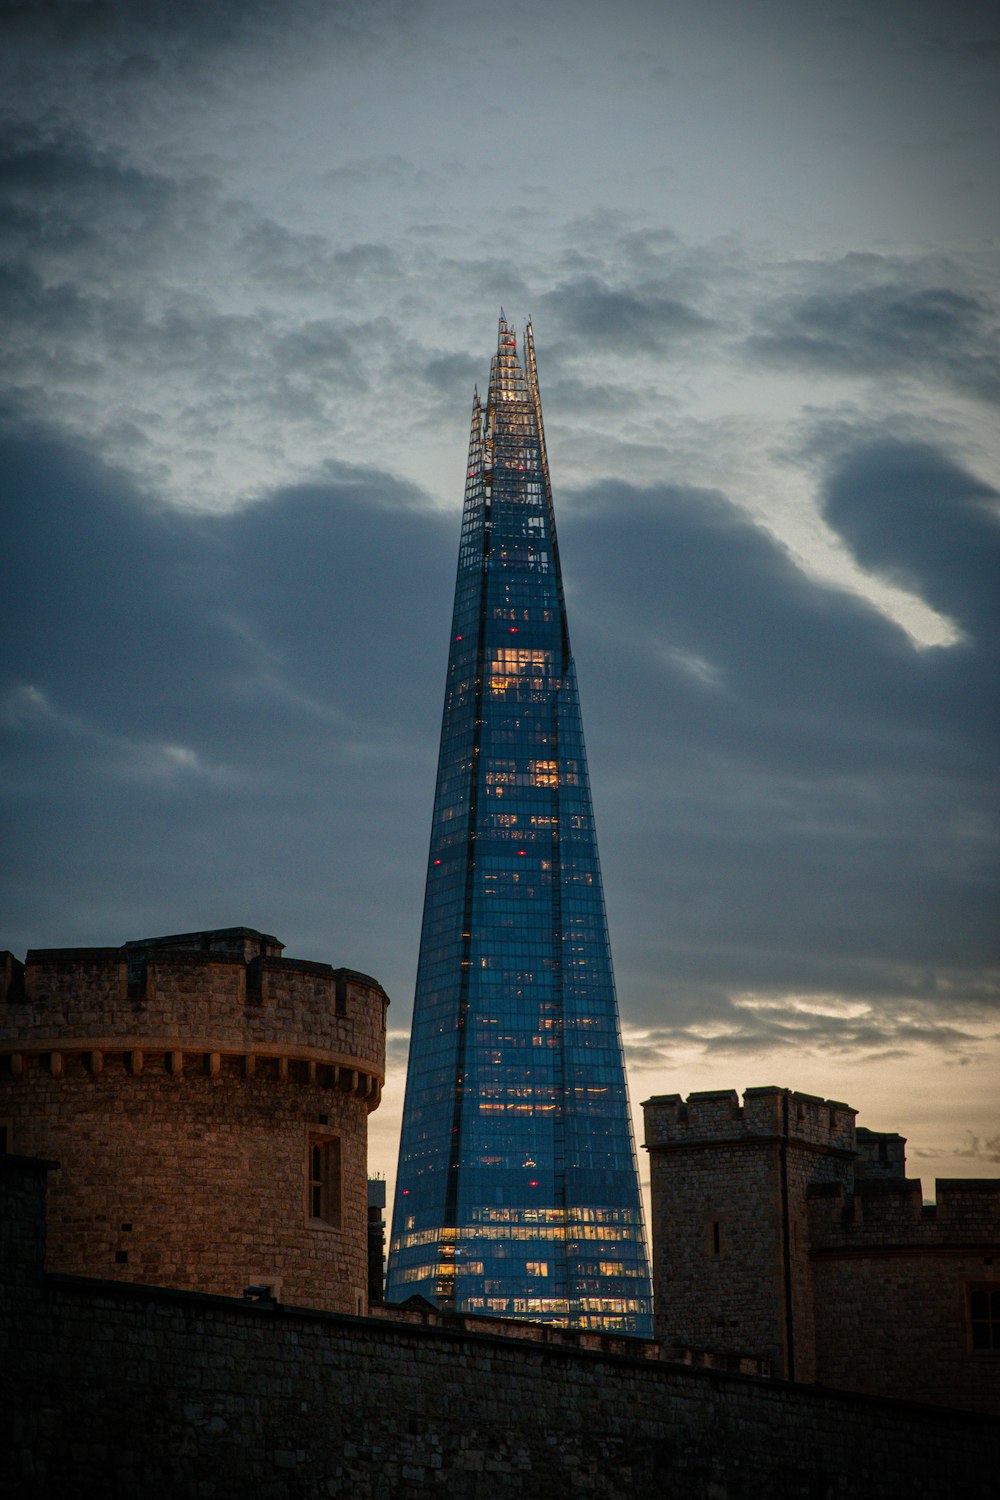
(517,1192)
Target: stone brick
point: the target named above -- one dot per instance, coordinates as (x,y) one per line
(780,1243)
(177,1089)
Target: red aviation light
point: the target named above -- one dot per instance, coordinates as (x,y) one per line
(522,853)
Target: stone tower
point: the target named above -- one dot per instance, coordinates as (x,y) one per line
(207,1101)
(731,1265)
(789,1241)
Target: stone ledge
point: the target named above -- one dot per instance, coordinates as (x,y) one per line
(364,1081)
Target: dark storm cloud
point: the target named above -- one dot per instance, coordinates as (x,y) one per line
(910,512)
(136,40)
(234,719)
(217,719)
(639,318)
(824,817)
(67,203)
(887,324)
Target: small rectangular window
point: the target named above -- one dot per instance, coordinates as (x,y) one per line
(323,1179)
(984,1319)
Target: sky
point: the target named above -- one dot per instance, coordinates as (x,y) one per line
(251,262)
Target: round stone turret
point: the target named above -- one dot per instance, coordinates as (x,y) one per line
(207,1100)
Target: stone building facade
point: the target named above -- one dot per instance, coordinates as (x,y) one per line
(109,1391)
(789,1241)
(207,1102)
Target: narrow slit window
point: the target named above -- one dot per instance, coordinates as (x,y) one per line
(984,1319)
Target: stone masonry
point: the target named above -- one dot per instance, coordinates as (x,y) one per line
(110,1391)
(190,1088)
(786,1240)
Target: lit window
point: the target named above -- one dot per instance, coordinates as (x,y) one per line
(513,665)
(323,1180)
(544,772)
(537,1267)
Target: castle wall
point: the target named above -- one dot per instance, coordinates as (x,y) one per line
(195,1181)
(716,1252)
(729,1224)
(119,1390)
(891,1281)
(826,1262)
(81,998)
(182,1094)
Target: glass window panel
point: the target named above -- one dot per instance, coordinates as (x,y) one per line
(516,1150)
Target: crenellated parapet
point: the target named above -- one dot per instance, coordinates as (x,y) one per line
(206,1102)
(767,1113)
(785,1234)
(233,996)
(888,1215)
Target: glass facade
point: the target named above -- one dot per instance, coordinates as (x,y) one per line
(517,1193)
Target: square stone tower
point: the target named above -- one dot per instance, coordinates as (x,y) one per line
(731,1271)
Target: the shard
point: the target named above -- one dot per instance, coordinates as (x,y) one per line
(517,1193)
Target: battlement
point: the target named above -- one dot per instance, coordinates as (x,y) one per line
(767,1113)
(881,1154)
(892,1214)
(223,993)
(206,1100)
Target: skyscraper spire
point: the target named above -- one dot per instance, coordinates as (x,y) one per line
(517,1193)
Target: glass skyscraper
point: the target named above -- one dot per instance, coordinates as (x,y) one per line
(517,1193)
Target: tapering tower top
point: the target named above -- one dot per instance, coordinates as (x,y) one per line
(517,1190)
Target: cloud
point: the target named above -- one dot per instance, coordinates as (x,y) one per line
(883,1027)
(397,1048)
(814,808)
(910,511)
(641,318)
(792,800)
(177,333)
(977,1149)
(26,709)
(297,263)
(972,1148)
(247,252)
(392,169)
(132,45)
(864,316)
(450,372)
(213,718)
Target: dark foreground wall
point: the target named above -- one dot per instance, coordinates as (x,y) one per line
(115,1391)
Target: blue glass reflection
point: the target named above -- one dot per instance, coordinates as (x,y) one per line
(517,1193)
